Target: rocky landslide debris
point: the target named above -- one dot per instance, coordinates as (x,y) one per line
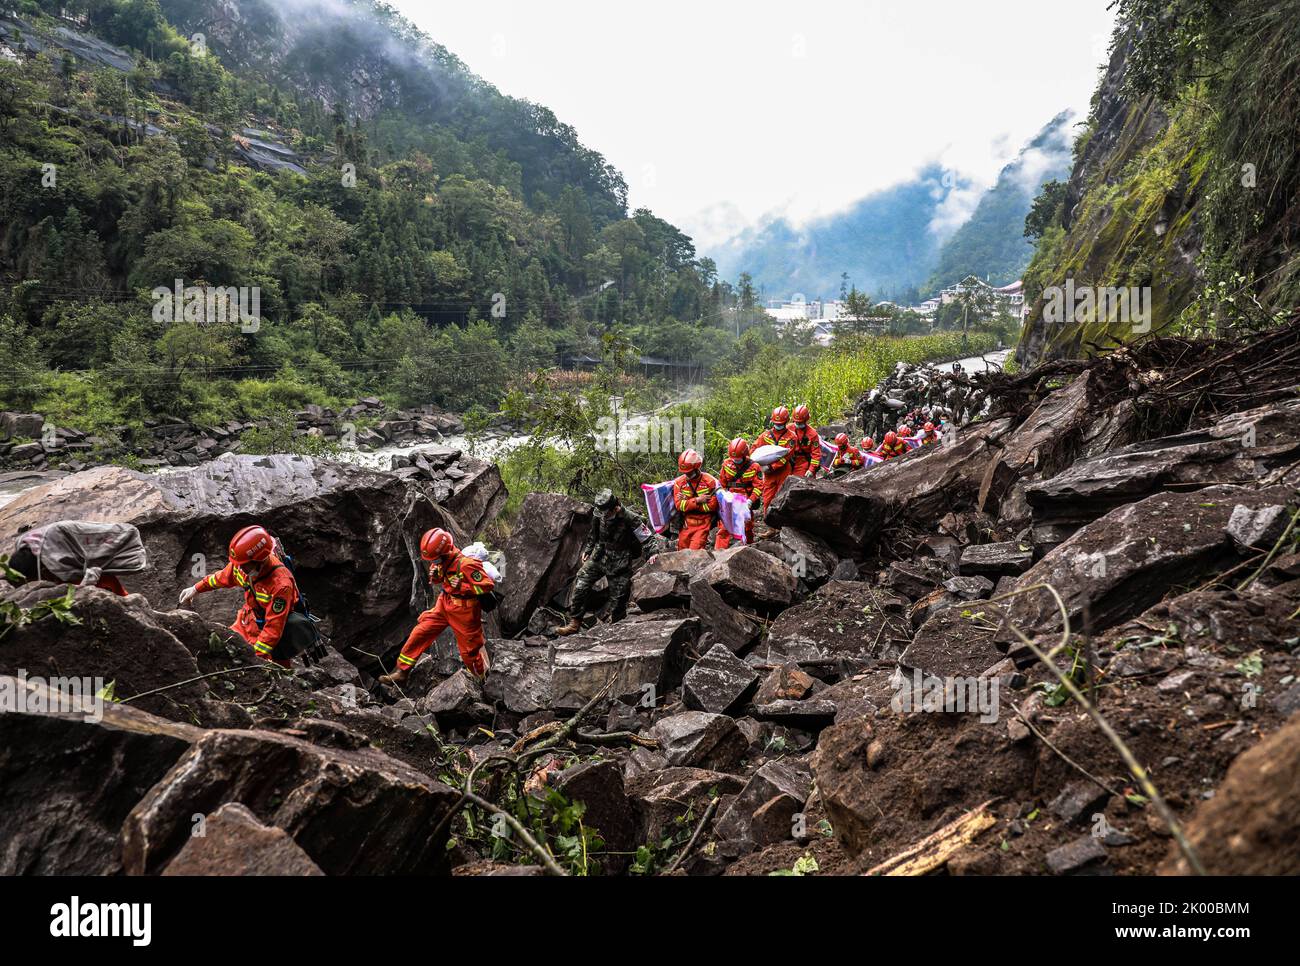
(843,691)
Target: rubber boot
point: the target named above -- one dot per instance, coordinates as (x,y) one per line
(398,677)
(487,665)
(574,625)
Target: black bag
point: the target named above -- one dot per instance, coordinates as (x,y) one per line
(490,601)
(300,636)
(302,607)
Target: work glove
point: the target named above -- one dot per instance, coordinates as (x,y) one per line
(187,595)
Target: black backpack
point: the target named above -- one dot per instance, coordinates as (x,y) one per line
(301,635)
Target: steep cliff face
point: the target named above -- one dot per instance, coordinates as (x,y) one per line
(1129,219)
(1186,184)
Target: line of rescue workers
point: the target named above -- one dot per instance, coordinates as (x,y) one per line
(274,620)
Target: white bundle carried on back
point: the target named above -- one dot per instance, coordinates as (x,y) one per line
(483,556)
(769,454)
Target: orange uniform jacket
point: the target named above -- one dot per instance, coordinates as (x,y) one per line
(806,456)
(738,479)
(698,502)
(464,581)
(270,598)
(770,437)
(687,496)
(848,458)
(889,452)
(774,474)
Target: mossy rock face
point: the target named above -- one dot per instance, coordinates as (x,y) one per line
(1131,221)
(1135,227)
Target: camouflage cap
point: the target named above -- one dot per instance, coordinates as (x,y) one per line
(604,499)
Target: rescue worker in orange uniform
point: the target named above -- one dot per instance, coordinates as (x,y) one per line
(778,434)
(738,474)
(891,446)
(867,445)
(464,581)
(806,459)
(270,592)
(928,437)
(695,494)
(847,456)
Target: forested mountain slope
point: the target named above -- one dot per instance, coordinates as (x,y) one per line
(411,231)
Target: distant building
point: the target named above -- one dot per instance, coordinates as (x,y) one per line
(1011,297)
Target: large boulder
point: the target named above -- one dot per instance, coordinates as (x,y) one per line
(725,624)
(70,777)
(956,642)
(665,581)
(354,533)
(234,842)
(391,813)
(994,560)
(920,487)
(669,799)
(1045,442)
(520,678)
(717,682)
(746,577)
(637,659)
(843,623)
(598,785)
(697,739)
(843,513)
(809,557)
(774,779)
(542,555)
(1238,449)
(1124,562)
(21,425)
(116,639)
(478,496)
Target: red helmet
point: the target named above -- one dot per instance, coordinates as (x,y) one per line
(905,430)
(780,416)
(842,440)
(890,438)
(929,427)
(801,414)
(251,543)
(738,448)
(690,461)
(436,543)
(867,443)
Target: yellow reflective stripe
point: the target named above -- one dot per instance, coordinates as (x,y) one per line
(407,661)
(212,581)
(261,647)
(261,598)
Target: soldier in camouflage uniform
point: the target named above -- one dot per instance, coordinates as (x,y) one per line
(612,547)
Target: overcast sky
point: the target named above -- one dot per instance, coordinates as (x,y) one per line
(721,112)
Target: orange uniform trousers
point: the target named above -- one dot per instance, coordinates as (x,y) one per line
(773,477)
(694,534)
(464,616)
